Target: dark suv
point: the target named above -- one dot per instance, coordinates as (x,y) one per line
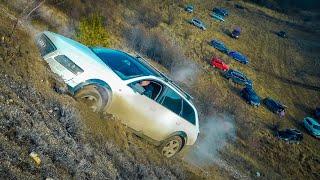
(250,96)
(290,135)
(317,112)
(237,77)
(282,34)
(275,106)
(236,33)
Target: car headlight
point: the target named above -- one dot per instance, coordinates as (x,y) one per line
(45,45)
(68,64)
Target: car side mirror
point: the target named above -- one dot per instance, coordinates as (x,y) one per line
(136,87)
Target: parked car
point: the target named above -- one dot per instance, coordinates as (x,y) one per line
(189,8)
(236,33)
(275,106)
(198,23)
(250,96)
(219,45)
(221,11)
(218,63)
(282,34)
(237,77)
(317,112)
(239,6)
(217,16)
(312,125)
(239,57)
(290,135)
(113,81)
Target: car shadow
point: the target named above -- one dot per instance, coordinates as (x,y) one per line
(226,32)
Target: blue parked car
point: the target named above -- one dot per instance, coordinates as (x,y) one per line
(220,46)
(239,57)
(221,11)
(250,96)
(237,77)
(312,126)
(189,8)
(198,23)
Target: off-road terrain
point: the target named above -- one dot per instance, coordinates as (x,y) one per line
(236,141)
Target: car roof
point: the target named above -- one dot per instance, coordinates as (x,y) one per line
(236,53)
(217,59)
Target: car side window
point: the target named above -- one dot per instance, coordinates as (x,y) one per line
(151,89)
(172,101)
(188,113)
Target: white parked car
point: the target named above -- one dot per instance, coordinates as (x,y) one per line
(113,81)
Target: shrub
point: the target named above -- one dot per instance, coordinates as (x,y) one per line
(92,31)
(148,16)
(154,45)
(171,16)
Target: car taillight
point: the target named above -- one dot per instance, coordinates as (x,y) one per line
(45,45)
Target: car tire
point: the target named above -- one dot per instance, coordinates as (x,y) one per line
(96,97)
(171,146)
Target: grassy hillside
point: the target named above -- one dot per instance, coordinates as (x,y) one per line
(285,69)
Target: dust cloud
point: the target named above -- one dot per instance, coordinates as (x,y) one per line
(186,72)
(216,132)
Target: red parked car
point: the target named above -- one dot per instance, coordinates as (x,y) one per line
(218,63)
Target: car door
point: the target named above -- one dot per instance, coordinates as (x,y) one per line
(219,64)
(167,119)
(133,107)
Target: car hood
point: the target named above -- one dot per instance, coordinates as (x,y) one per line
(81,55)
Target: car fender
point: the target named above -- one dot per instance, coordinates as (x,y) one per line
(97,82)
(181,134)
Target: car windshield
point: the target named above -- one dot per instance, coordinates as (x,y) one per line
(124,65)
(197,21)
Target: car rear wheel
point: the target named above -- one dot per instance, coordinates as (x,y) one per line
(171,146)
(95,97)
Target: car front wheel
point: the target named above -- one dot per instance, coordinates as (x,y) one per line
(171,146)
(95,97)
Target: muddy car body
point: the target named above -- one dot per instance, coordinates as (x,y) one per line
(112,81)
